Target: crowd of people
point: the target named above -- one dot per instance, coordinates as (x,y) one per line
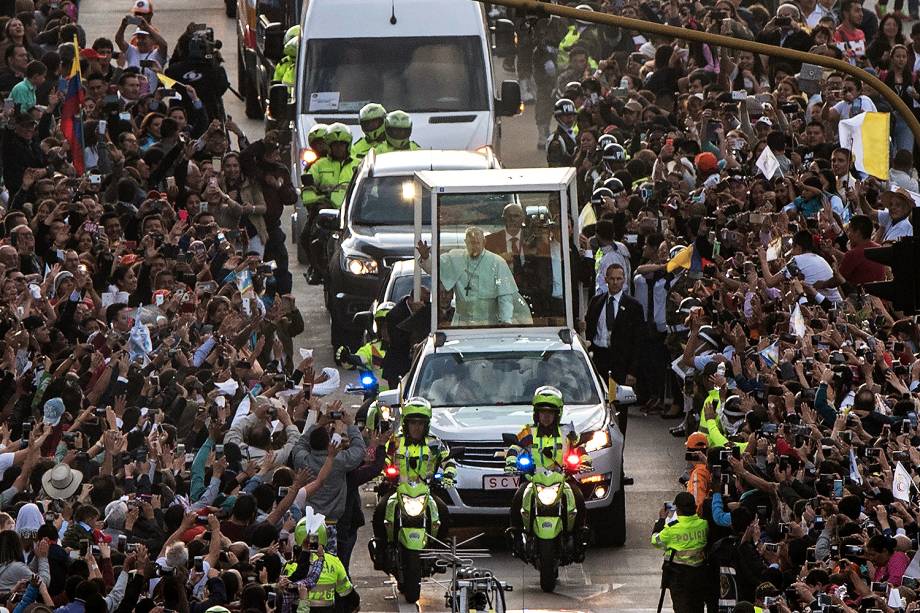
(796,386)
(163,446)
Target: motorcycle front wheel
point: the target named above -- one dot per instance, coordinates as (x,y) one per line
(410,572)
(549,565)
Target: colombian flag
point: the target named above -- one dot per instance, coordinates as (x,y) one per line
(72,110)
(866,136)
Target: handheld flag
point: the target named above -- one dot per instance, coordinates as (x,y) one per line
(797,322)
(900,486)
(167,82)
(72,110)
(866,136)
(768,164)
(681,260)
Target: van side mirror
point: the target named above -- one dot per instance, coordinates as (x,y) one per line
(510,102)
(279,102)
(504,38)
(272,35)
(388,398)
(509,439)
(364,319)
(328,219)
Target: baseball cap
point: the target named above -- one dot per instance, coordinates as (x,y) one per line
(706,162)
(142,7)
(53,410)
(634,106)
(764,120)
(90,54)
(697,440)
(141,32)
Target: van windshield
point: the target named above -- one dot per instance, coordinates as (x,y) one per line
(385,201)
(504,378)
(415,74)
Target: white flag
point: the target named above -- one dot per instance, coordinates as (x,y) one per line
(797,322)
(768,164)
(913,569)
(894,598)
(854,469)
(900,487)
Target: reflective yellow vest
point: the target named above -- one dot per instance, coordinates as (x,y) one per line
(685,538)
(330,179)
(333,580)
(372,355)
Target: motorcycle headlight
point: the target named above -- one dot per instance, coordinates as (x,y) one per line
(548,495)
(360,266)
(599,440)
(414,505)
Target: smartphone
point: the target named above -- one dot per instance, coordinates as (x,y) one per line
(122,542)
(771,547)
(879,587)
(282,492)
(84,548)
(147,64)
(102,126)
(218,451)
(26,430)
(215,165)
(199,564)
(838,488)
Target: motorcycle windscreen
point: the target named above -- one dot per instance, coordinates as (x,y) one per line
(500,260)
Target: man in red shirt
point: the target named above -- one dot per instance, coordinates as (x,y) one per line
(854,267)
(849,38)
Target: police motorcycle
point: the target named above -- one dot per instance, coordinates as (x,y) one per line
(549,513)
(411,517)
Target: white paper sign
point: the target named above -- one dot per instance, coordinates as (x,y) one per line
(324,101)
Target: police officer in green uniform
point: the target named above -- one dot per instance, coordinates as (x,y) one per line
(370,355)
(324,186)
(285,69)
(397,128)
(331,590)
(316,139)
(418,456)
(683,540)
(371,116)
(546,432)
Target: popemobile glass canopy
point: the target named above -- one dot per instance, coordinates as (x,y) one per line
(502,241)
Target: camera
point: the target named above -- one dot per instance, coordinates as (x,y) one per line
(199,564)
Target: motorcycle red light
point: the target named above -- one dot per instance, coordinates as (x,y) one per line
(572,460)
(391,471)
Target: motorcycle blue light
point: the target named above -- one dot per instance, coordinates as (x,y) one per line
(368,380)
(524,461)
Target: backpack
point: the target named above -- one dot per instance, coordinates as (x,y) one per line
(723,562)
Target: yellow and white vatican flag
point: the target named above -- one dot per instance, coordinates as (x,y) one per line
(867,136)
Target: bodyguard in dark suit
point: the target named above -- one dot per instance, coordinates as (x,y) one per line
(615,325)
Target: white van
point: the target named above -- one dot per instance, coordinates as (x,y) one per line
(430,58)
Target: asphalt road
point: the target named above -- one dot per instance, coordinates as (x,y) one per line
(623,579)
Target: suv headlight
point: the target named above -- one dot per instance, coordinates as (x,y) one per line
(413,505)
(599,440)
(548,495)
(360,265)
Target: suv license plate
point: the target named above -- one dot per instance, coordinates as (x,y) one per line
(500,482)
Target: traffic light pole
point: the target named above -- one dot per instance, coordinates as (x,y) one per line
(722,41)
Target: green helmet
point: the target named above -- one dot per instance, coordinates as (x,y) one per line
(416,407)
(292,33)
(371,117)
(291,41)
(548,397)
(317,132)
(338,133)
(300,533)
(398,128)
(383,309)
